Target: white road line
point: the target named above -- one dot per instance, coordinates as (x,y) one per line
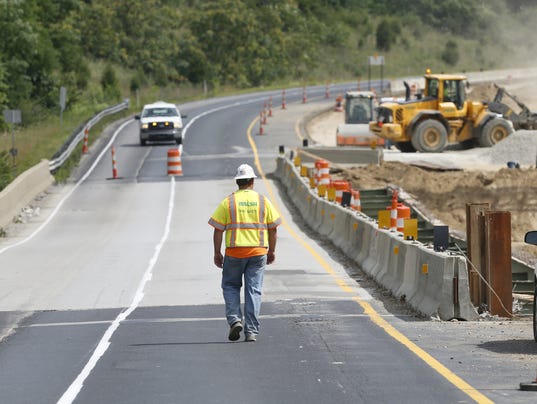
(74,389)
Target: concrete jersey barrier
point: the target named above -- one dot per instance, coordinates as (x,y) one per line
(23,190)
(433,283)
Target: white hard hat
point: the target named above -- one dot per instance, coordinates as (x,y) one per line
(245,171)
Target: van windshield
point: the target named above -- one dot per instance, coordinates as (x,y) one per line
(156,112)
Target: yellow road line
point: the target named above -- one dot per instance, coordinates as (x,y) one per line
(368,309)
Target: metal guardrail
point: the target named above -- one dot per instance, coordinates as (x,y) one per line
(72,142)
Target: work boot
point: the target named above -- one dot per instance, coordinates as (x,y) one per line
(235,331)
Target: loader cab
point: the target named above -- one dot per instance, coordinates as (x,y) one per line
(359,107)
(446,88)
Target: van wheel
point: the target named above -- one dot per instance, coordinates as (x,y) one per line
(494,131)
(430,136)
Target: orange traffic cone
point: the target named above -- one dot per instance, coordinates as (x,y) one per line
(114,166)
(85,144)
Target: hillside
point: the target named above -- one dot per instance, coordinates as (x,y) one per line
(102,51)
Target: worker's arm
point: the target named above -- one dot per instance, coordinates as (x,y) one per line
(272,236)
(217,243)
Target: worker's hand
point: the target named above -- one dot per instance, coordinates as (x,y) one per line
(219,260)
(270,257)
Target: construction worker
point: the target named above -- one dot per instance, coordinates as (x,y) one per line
(249,222)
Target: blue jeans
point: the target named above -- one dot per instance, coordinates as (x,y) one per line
(252,268)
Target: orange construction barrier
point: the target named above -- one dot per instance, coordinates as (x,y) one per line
(323,176)
(340,187)
(403,213)
(174,162)
(356,204)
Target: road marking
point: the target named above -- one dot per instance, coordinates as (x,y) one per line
(72,392)
(375,317)
(304,317)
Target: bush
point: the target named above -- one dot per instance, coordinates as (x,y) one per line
(110,84)
(450,55)
(388,31)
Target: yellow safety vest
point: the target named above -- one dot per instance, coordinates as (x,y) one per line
(245,216)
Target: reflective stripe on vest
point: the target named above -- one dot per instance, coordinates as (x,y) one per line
(234,227)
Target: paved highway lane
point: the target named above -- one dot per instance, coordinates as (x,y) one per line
(121,302)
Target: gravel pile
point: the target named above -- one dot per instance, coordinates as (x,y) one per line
(520,147)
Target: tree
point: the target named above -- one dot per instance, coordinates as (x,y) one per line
(387,33)
(110,84)
(450,55)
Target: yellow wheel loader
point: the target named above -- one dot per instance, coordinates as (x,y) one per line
(438,116)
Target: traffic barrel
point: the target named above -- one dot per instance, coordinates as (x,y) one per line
(403,213)
(323,176)
(340,186)
(175,166)
(356,204)
(393,211)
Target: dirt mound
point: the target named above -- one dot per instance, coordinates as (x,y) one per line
(445,194)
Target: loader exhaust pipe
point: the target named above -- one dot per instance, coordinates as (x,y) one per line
(407,91)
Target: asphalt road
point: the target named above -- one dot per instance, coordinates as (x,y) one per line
(110,294)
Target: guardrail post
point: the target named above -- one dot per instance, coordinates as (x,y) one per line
(475,238)
(498,259)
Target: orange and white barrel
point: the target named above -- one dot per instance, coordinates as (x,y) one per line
(393,211)
(324,172)
(403,212)
(317,171)
(174,162)
(393,218)
(340,186)
(356,204)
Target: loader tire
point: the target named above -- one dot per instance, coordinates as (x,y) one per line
(430,136)
(494,131)
(405,147)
